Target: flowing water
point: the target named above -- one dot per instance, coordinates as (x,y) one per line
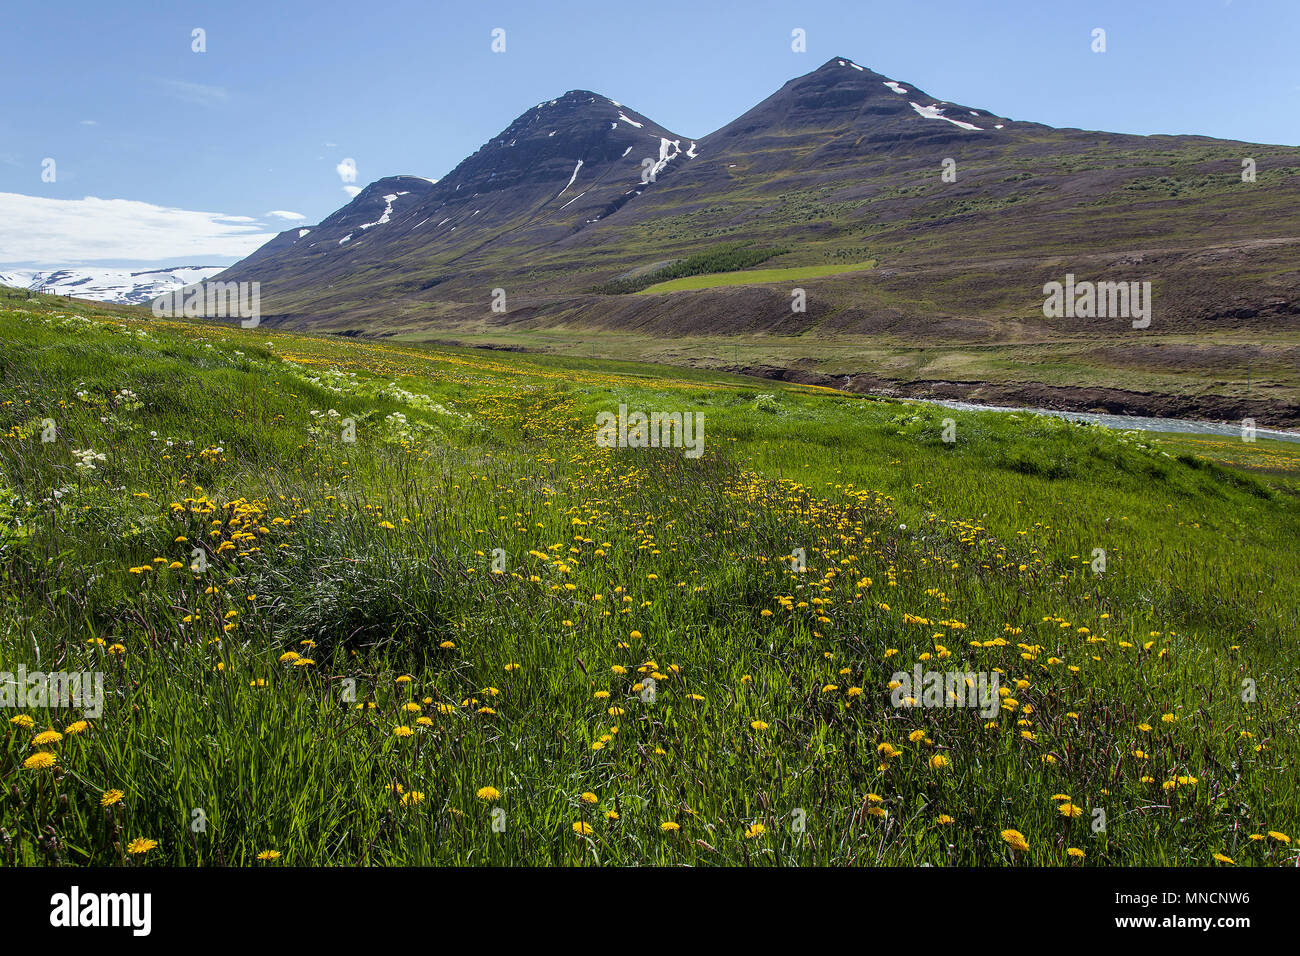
(1124,422)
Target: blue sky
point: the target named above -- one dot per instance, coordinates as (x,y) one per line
(197,150)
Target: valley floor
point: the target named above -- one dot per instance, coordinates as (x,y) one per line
(1224,377)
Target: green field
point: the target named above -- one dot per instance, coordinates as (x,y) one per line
(1187,370)
(754,277)
(364,603)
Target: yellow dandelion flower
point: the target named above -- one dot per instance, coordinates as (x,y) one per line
(1015,839)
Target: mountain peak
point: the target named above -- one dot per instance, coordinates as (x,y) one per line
(562,165)
(840,167)
(546,141)
(844,100)
(841,63)
(572,112)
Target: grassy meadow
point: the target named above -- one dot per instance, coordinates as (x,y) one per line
(754,276)
(363,603)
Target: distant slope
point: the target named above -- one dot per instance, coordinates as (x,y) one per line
(840,166)
(558,168)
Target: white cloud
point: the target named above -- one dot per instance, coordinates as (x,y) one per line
(347,170)
(90,122)
(285,214)
(352,190)
(200,94)
(64,232)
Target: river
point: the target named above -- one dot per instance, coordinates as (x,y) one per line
(1123,422)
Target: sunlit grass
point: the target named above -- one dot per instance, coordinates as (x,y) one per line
(436,643)
(755,276)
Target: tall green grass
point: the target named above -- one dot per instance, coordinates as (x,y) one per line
(474,553)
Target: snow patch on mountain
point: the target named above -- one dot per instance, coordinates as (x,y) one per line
(110,285)
(388,211)
(570,182)
(934,112)
(664,156)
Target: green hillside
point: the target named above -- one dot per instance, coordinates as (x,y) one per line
(473,635)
